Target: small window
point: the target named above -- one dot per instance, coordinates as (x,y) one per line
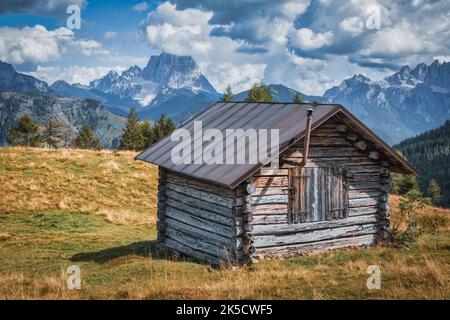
(317,194)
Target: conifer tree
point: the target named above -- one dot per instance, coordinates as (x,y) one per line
(434,191)
(297,98)
(227,95)
(131,137)
(86,139)
(25,133)
(259,93)
(53,132)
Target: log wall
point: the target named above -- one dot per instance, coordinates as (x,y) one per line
(332,144)
(198,219)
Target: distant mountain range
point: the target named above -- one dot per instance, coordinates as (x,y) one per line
(402,105)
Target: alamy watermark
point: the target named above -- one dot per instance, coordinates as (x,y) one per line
(74,277)
(73,21)
(231,146)
(374,280)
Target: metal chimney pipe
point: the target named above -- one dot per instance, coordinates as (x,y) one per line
(309,113)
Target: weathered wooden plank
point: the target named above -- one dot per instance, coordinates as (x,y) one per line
(283,229)
(179,247)
(261,191)
(220,252)
(200,223)
(271,172)
(363,240)
(272,181)
(354,203)
(205,196)
(330,161)
(270,219)
(269,208)
(200,234)
(205,214)
(316,235)
(200,185)
(197,203)
(358,194)
(358,211)
(323,152)
(270,199)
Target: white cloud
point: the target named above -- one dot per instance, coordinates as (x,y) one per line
(141,6)
(306,39)
(73,74)
(110,34)
(352,25)
(38,45)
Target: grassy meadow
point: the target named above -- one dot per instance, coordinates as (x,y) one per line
(97,210)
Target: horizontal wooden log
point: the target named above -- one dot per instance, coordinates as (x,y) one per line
(269,208)
(358,194)
(358,211)
(205,196)
(179,247)
(200,223)
(200,185)
(354,203)
(330,161)
(197,203)
(324,152)
(351,137)
(341,128)
(270,199)
(291,228)
(316,235)
(262,191)
(374,155)
(200,234)
(269,219)
(356,241)
(204,214)
(272,181)
(202,246)
(271,172)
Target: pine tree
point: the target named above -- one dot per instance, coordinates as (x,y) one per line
(148,134)
(86,139)
(297,98)
(259,93)
(434,191)
(25,133)
(131,137)
(163,126)
(227,95)
(53,132)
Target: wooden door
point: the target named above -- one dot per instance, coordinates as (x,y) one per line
(317,194)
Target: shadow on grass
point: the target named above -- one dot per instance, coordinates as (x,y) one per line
(141,248)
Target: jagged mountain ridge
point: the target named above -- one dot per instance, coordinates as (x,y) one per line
(402,105)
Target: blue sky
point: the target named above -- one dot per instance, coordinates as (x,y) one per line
(309,45)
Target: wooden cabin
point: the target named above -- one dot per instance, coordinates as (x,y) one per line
(330,190)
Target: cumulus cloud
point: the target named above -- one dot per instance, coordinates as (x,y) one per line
(41,7)
(72,74)
(37,45)
(306,39)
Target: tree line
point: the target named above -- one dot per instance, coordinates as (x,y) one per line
(136,135)
(259,92)
(430,154)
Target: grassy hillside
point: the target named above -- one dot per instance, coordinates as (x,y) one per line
(96,209)
(430,154)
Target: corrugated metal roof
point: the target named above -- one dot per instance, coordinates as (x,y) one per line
(288,118)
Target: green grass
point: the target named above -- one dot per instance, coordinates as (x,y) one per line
(97,210)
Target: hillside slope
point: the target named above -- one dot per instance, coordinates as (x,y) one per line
(97,210)
(430,154)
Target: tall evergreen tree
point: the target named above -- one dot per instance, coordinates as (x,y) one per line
(131,137)
(148,134)
(86,139)
(297,98)
(434,191)
(163,126)
(25,133)
(53,132)
(259,93)
(227,95)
